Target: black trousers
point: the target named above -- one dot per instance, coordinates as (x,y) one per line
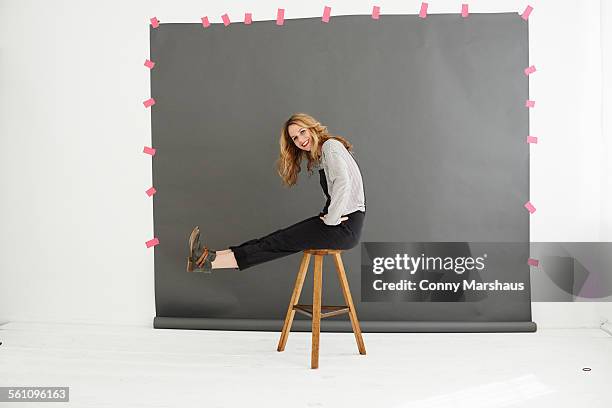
(311,233)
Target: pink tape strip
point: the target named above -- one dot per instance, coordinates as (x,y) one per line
(149,150)
(205,22)
(248,18)
(152,242)
(423,12)
(226,20)
(326,13)
(375,12)
(529,103)
(154,22)
(532,139)
(280,16)
(149,64)
(530,70)
(464,10)
(149,102)
(533,262)
(526,13)
(530,207)
(151,191)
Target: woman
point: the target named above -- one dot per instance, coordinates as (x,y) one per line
(338,226)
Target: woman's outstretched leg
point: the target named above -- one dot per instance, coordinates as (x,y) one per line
(311,233)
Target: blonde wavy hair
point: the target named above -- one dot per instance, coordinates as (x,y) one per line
(289,162)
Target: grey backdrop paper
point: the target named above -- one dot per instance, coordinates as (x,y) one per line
(434,108)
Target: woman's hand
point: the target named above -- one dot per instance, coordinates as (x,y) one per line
(341,218)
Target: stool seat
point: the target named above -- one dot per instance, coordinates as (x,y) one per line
(317,311)
(322,251)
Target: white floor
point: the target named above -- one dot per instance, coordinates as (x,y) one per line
(118,366)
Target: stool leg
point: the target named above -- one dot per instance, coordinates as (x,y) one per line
(349,301)
(295,298)
(316,310)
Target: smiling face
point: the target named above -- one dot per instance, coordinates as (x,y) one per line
(300,136)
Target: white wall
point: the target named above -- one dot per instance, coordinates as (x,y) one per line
(605,309)
(74,215)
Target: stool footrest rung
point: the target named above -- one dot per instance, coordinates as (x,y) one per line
(326,311)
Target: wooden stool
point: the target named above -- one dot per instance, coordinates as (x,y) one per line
(314,310)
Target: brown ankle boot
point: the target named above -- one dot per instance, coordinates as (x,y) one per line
(200,258)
